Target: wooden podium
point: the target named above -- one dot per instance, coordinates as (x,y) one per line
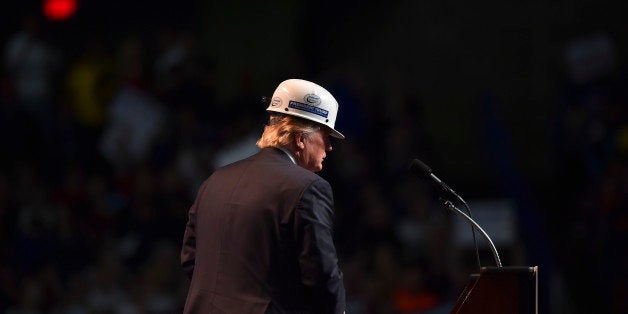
(502,290)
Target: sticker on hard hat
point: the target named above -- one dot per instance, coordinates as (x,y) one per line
(309,108)
(276,102)
(312,99)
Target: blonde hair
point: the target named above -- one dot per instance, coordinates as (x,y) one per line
(281,130)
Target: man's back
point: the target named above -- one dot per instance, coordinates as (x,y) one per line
(259,233)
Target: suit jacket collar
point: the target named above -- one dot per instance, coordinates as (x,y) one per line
(285,154)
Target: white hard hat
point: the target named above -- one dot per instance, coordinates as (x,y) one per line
(306,100)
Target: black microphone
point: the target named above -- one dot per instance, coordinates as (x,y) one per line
(422,171)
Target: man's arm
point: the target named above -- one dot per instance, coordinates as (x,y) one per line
(317,254)
(188,250)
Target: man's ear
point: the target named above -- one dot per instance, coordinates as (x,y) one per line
(299,140)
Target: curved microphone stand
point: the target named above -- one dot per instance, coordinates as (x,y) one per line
(455,209)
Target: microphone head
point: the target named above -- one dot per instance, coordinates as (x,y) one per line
(420,169)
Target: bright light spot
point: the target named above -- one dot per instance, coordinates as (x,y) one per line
(57,10)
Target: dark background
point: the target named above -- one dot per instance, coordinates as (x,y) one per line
(110,120)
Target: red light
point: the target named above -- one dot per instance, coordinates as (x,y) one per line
(57,10)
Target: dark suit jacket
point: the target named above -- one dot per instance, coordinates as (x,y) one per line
(259,240)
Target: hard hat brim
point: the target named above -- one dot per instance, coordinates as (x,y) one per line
(336,134)
(332,132)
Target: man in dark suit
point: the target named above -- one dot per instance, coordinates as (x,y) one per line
(259,234)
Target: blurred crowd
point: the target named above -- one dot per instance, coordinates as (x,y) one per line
(592,146)
(105,144)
